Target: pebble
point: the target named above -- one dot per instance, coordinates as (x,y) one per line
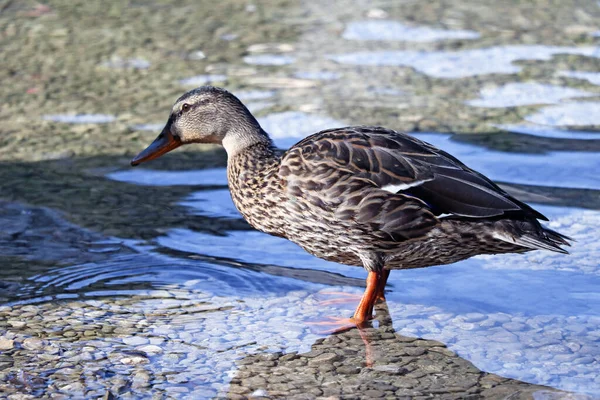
(73,389)
(16,323)
(150,349)
(135,340)
(49,357)
(6,344)
(466,326)
(348,369)
(21,396)
(215,346)
(178,378)
(390,369)
(33,344)
(514,326)
(141,379)
(326,358)
(134,360)
(474,317)
(414,351)
(374,394)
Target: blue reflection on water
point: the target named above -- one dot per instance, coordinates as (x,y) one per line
(533,316)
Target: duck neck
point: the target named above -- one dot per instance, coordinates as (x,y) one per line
(244,135)
(249,154)
(253,183)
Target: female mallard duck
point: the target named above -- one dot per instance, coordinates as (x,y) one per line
(363,196)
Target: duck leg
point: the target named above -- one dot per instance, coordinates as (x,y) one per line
(381,287)
(351,297)
(364,311)
(375,284)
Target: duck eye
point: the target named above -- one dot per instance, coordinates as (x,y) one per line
(185,107)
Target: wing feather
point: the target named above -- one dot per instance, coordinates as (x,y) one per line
(358,164)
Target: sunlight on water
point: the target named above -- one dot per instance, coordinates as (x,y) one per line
(318,75)
(592,77)
(460,64)
(501,312)
(549,169)
(180,308)
(521,94)
(133,63)
(80,118)
(148,127)
(216,176)
(269,59)
(248,95)
(394,30)
(570,114)
(287,128)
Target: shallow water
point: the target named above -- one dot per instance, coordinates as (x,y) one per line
(201,301)
(465,63)
(592,77)
(522,94)
(393,30)
(269,59)
(81,118)
(205,311)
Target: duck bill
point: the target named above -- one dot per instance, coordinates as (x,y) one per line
(164,143)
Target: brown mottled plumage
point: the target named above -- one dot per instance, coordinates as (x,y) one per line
(364,196)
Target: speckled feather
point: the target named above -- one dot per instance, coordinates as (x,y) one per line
(330,194)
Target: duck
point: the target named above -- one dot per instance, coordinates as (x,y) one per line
(363,196)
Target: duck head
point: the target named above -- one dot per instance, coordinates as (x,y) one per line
(206,115)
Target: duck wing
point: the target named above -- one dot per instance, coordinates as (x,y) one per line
(337,162)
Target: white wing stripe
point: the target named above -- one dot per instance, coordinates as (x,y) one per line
(395,188)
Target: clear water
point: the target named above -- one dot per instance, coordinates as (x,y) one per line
(80,118)
(592,77)
(207,300)
(533,317)
(394,30)
(464,63)
(522,94)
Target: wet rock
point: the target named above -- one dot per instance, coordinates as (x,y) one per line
(16,323)
(135,340)
(134,360)
(51,170)
(391,369)
(426,368)
(33,344)
(373,394)
(150,349)
(348,369)
(74,389)
(414,351)
(325,358)
(20,396)
(6,344)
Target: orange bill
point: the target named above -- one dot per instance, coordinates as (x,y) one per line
(164,143)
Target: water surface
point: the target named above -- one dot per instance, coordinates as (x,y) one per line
(206,307)
(202,300)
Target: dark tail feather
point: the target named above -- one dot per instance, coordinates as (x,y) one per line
(537,238)
(557,238)
(546,239)
(544,243)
